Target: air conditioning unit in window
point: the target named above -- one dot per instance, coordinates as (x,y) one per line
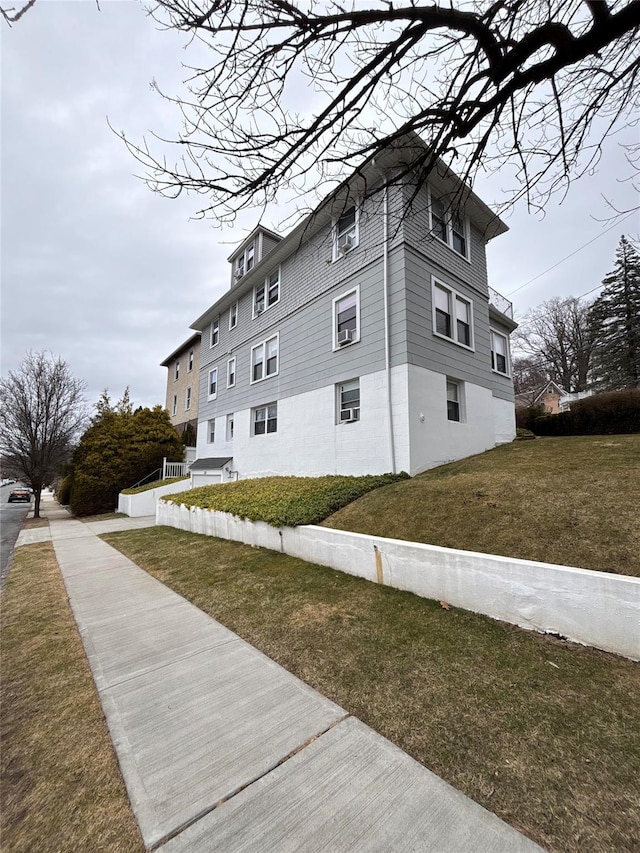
(238,275)
(348,416)
(345,244)
(259,308)
(346,336)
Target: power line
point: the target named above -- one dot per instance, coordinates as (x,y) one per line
(579,249)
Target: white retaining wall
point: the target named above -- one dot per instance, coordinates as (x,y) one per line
(594,608)
(144,503)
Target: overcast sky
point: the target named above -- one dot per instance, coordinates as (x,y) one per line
(108,275)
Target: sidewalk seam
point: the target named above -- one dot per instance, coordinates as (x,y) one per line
(206,811)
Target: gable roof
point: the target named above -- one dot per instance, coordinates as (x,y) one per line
(186,345)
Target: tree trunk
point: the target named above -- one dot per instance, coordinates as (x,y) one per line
(36,508)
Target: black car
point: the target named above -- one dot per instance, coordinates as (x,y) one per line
(20,495)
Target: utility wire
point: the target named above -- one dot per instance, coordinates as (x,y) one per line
(579,249)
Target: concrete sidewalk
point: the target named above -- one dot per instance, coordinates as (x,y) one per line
(222,749)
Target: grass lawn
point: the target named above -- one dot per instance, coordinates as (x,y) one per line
(573,501)
(542,732)
(61,787)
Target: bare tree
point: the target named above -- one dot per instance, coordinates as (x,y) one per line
(529,376)
(42,410)
(533,86)
(558,337)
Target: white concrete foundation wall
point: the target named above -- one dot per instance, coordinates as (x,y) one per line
(144,503)
(594,608)
(504,420)
(309,442)
(435,439)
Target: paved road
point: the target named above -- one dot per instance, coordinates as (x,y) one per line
(11,519)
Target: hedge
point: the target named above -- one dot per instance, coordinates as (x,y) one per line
(284,501)
(155,485)
(610,413)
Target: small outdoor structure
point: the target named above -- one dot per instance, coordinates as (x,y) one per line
(211,470)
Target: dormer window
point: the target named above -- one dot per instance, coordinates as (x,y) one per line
(245,261)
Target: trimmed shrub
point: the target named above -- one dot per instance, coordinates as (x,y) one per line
(526,417)
(284,501)
(90,496)
(154,485)
(64,490)
(610,413)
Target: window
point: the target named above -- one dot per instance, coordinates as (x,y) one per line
(177,373)
(345,232)
(346,316)
(448,226)
(447,307)
(230,427)
(211,431)
(187,399)
(348,399)
(454,400)
(245,261)
(265,419)
(213,383)
(215,331)
(499,353)
(233,316)
(174,407)
(231,372)
(264,359)
(267,294)
(190,361)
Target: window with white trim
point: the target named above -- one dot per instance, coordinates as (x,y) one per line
(215,332)
(264,359)
(231,372)
(346,232)
(211,431)
(448,226)
(244,262)
(212,392)
(174,407)
(264,419)
(230,422)
(190,361)
(187,399)
(455,400)
(346,319)
(233,316)
(452,315)
(348,401)
(267,294)
(177,371)
(499,353)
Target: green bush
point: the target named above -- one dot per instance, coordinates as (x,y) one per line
(285,501)
(64,490)
(90,496)
(610,413)
(526,417)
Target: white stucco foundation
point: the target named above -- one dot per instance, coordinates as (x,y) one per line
(593,608)
(144,503)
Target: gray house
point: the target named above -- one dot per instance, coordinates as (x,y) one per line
(367,340)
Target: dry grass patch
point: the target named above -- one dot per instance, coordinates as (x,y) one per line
(542,732)
(572,501)
(33,523)
(61,786)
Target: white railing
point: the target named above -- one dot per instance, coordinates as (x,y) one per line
(501,303)
(173,469)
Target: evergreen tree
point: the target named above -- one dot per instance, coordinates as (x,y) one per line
(120,448)
(616,320)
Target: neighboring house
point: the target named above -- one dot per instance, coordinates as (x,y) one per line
(551,396)
(183,377)
(364,341)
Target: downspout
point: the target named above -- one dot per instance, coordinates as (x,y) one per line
(387,338)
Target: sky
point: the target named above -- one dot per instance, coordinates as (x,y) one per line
(108,275)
